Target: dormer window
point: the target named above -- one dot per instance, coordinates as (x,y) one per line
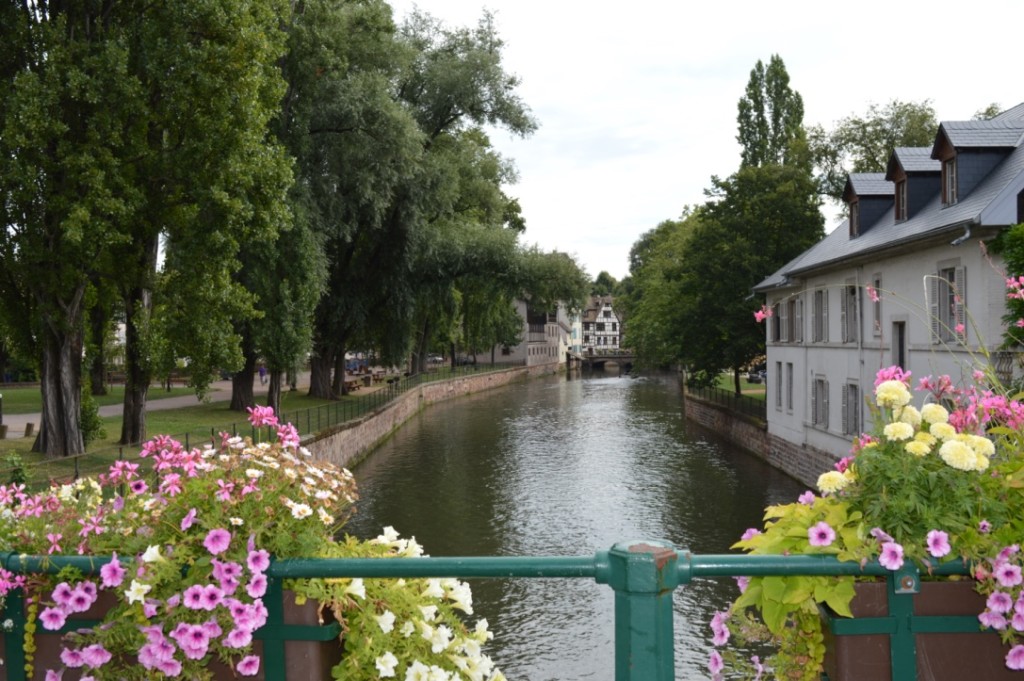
(901,201)
(949,183)
(854,218)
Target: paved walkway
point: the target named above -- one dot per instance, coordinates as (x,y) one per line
(220,391)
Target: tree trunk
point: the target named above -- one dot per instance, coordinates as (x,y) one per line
(242,394)
(423,345)
(320,374)
(138,310)
(97,359)
(60,433)
(138,306)
(338,386)
(736,381)
(274,391)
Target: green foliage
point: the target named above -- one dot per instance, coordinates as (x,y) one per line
(15,466)
(771,116)
(1010,245)
(92,424)
(864,143)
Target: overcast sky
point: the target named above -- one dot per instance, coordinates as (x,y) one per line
(637,101)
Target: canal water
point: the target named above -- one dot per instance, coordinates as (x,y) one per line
(561,466)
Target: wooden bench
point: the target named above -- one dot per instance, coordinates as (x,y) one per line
(352,384)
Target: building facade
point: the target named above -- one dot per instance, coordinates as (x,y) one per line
(602,329)
(905,280)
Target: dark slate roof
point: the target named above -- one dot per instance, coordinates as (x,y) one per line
(917,160)
(1006,180)
(1013,112)
(871,184)
(995,133)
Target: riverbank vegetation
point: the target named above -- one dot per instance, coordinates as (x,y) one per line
(689,296)
(322,182)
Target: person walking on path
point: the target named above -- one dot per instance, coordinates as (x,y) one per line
(263,374)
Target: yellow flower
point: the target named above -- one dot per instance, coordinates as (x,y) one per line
(911,415)
(918,448)
(926,438)
(943,431)
(892,394)
(934,413)
(895,432)
(832,482)
(981,462)
(958,455)
(981,445)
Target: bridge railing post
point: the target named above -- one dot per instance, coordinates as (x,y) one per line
(643,576)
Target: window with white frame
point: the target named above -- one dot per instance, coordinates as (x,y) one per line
(947,292)
(949,185)
(819,316)
(851,409)
(848,313)
(901,201)
(819,402)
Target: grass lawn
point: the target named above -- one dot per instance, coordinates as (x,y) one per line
(197,422)
(755,390)
(29,401)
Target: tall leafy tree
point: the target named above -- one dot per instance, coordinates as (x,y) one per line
(120,122)
(863,143)
(770,115)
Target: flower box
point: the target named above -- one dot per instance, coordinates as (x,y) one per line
(940,606)
(311,648)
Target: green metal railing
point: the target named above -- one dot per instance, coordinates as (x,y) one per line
(643,575)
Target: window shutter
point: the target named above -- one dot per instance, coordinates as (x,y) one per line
(843,312)
(824,315)
(799,323)
(824,410)
(814,402)
(815,317)
(846,405)
(960,274)
(784,321)
(934,283)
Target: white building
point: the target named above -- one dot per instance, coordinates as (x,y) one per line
(915,235)
(547,338)
(602,329)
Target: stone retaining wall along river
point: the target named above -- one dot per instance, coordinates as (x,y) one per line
(346,444)
(803,462)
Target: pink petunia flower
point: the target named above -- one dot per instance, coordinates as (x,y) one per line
(892,556)
(249,666)
(258,561)
(96,655)
(217,541)
(257,586)
(62,594)
(1015,658)
(71,658)
(715,663)
(807,498)
(999,601)
(938,543)
(189,518)
(1008,575)
(749,533)
(821,534)
(52,618)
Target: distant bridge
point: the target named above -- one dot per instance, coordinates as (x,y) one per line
(623,358)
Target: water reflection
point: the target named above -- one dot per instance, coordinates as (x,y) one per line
(556,467)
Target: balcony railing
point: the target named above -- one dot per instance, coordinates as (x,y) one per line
(643,575)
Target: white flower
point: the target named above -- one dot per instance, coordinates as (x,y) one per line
(943,431)
(356,588)
(408,629)
(911,415)
(892,394)
(253,473)
(958,455)
(832,482)
(388,537)
(137,591)
(290,473)
(433,589)
(481,632)
(305,452)
(461,596)
(417,671)
(386,622)
(386,664)
(152,554)
(898,431)
(441,639)
(437,674)
(325,517)
(429,612)
(301,511)
(934,413)
(236,521)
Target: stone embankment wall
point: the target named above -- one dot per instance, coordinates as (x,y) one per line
(346,444)
(801,461)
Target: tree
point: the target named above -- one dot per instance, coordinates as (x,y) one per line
(122,150)
(770,115)
(988,113)
(864,143)
(604,285)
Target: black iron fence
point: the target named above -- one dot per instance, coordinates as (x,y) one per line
(742,404)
